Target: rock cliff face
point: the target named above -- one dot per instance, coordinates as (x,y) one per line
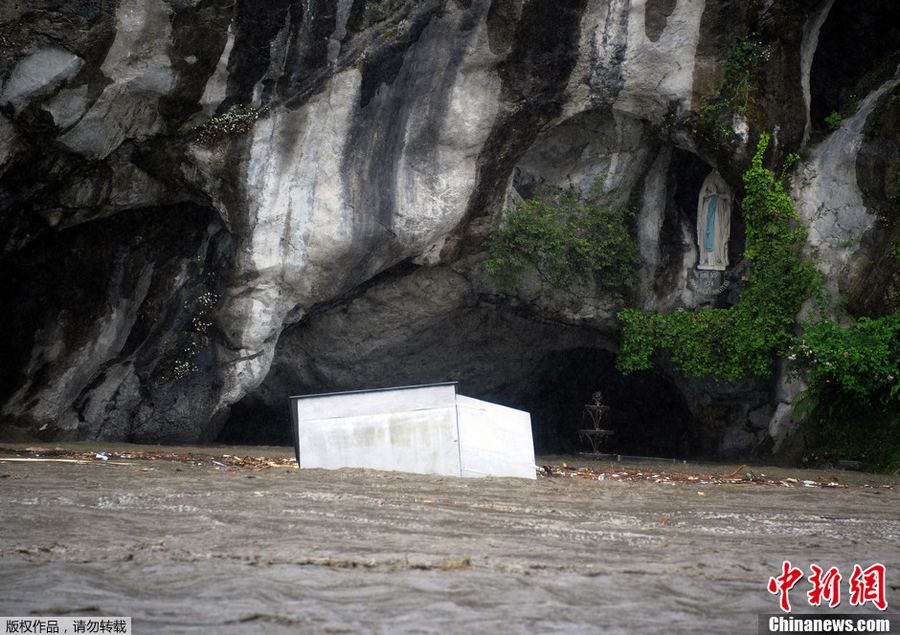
(207,206)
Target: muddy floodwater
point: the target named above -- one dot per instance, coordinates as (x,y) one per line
(199,547)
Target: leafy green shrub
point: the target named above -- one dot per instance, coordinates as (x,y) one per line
(861,362)
(571,243)
(851,408)
(833,121)
(744,339)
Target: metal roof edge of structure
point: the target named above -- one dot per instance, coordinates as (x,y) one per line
(367,390)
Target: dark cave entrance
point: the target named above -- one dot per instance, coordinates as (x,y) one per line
(254,421)
(425,326)
(648,413)
(857,51)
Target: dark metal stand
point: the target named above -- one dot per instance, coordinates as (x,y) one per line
(595,435)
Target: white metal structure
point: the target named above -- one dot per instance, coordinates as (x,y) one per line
(426,429)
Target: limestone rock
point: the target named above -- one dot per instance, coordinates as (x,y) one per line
(139,68)
(8,138)
(68,106)
(829,199)
(782,425)
(38,75)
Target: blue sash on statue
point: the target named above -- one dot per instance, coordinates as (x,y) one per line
(711,222)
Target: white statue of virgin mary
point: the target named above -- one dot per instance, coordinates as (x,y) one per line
(714,223)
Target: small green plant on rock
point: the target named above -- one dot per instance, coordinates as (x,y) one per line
(569,243)
(735,91)
(736,88)
(895,251)
(833,121)
(747,56)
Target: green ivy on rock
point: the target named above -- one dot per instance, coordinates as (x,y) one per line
(851,407)
(742,340)
(861,362)
(574,242)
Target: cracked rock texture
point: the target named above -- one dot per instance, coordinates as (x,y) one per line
(207,205)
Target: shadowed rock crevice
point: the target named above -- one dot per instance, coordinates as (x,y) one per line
(87,357)
(199,34)
(720,23)
(857,50)
(257,23)
(684,181)
(875,286)
(305,43)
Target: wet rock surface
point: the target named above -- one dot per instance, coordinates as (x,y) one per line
(279,550)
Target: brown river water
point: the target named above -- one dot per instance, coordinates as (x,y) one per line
(198,548)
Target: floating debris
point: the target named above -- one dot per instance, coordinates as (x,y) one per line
(662,478)
(225,461)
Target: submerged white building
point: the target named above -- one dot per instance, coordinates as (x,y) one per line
(427,429)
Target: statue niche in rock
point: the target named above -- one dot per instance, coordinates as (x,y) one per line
(714,223)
